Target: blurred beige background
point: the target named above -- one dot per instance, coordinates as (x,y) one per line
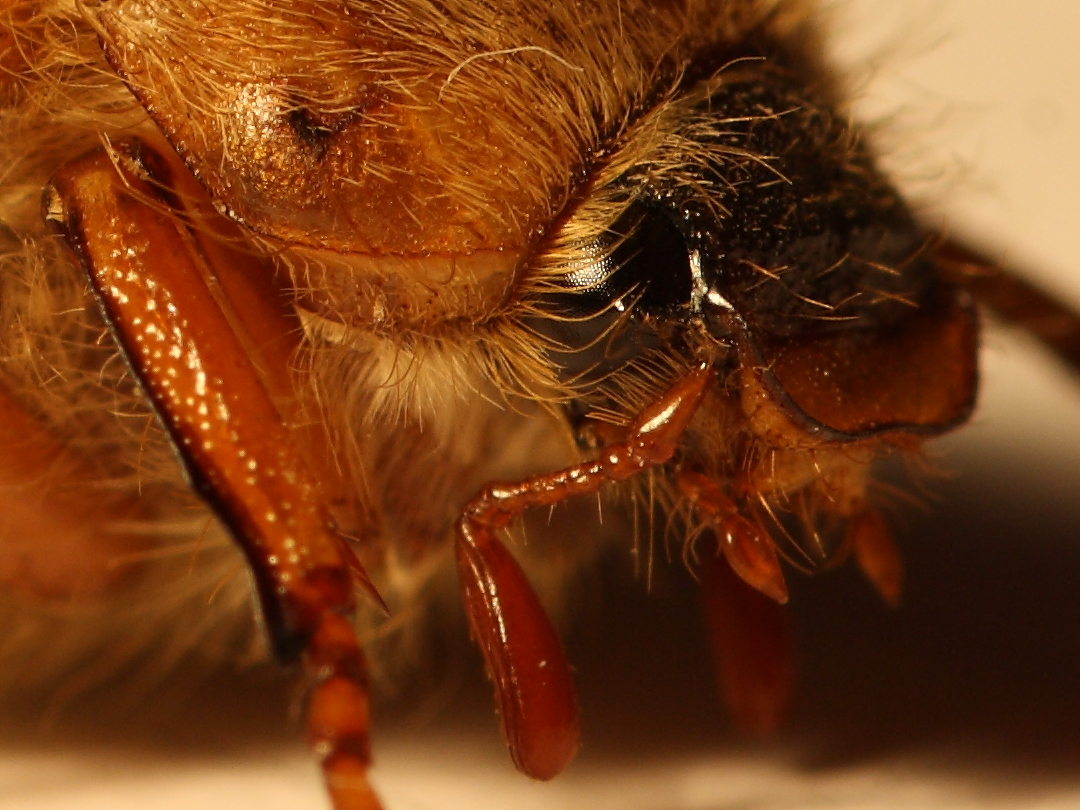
(965,698)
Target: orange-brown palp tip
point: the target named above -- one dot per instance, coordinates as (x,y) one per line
(525,660)
(746,545)
(752,647)
(877,554)
(749,550)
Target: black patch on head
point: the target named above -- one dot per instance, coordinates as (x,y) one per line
(777,214)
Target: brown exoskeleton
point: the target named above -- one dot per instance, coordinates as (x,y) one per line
(385,276)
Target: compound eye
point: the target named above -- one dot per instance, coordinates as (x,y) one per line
(642,265)
(607,307)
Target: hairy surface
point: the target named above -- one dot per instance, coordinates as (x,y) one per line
(423,174)
(407,128)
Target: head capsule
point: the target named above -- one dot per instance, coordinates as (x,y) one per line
(758,234)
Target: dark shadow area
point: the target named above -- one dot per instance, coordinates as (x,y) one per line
(982,659)
(191,715)
(981,663)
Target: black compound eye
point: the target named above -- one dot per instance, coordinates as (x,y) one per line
(606,309)
(642,264)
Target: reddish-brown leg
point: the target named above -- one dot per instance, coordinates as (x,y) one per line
(533,687)
(876,553)
(746,545)
(192,352)
(752,647)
